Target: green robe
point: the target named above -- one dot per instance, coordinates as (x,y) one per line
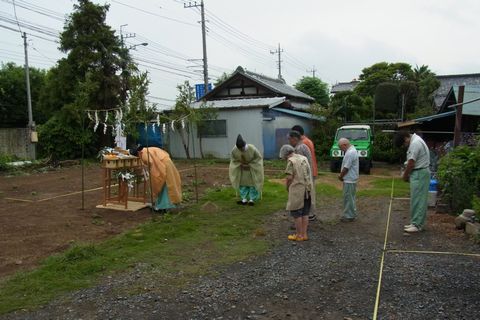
(252,173)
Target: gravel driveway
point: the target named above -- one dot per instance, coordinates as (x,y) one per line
(332,276)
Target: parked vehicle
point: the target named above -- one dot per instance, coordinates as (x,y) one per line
(361,137)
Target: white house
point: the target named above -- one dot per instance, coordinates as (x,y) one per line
(260,108)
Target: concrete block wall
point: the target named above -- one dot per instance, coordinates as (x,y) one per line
(16,142)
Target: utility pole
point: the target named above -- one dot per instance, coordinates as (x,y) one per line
(457,135)
(27,80)
(31,138)
(123,95)
(279,52)
(204,39)
(312,71)
(126,36)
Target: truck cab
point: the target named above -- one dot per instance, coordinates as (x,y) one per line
(362,138)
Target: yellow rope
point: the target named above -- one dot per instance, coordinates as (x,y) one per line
(55,197)
(22,200)
(382,260)
(436,252)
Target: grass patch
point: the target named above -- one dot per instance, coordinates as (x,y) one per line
(327,190)
(188,243)
(381,187)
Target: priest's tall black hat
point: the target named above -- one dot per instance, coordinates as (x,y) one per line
(240,142)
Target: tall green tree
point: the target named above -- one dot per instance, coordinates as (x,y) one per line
(413,93)
(351,107)
(92,76)
(382,72)
(93,49)
(315,88)
(13,96)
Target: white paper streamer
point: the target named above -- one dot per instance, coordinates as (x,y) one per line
(105,128)
(89,116)
(158,120)
(173,125)
(183,124)
(97,122)
(164,128)
(106,116)
(153,127)
(145,127)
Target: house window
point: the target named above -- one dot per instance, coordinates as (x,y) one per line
(212,128)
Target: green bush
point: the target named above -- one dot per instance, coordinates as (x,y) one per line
(61,137)
(4,159)
(384,150)
(459,177)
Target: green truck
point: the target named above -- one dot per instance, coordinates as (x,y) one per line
(361,137)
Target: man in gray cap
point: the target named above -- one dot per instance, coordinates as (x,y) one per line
(246,172)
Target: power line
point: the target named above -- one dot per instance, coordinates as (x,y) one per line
(16,18)
(238,33)
(154,14)
(37,10)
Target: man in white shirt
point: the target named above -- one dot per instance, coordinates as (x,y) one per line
(418,173)
(349,175)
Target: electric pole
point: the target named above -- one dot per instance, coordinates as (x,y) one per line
(126,36)
(31,138)
(279,52)
(123,94)
(204,40)
(312,71)
(27,80)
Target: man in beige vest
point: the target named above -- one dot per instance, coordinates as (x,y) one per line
(300,186)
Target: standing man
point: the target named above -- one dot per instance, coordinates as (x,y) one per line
(246,172)
(418,173)
(310,146)
(299,185)
(349,175)
(306,141)
(295,140)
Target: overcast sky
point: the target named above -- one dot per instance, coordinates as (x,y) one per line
(338,38)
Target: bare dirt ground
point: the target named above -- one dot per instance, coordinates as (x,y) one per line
(41,212)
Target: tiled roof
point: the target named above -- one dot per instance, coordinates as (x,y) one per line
(276,85)
(242,103)
(449,81)
(300,114)
(344,86)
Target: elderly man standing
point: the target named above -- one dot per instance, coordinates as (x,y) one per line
(246,172)
(295,140)
(310,146)
(418,173)
(299,185)
(349,175)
